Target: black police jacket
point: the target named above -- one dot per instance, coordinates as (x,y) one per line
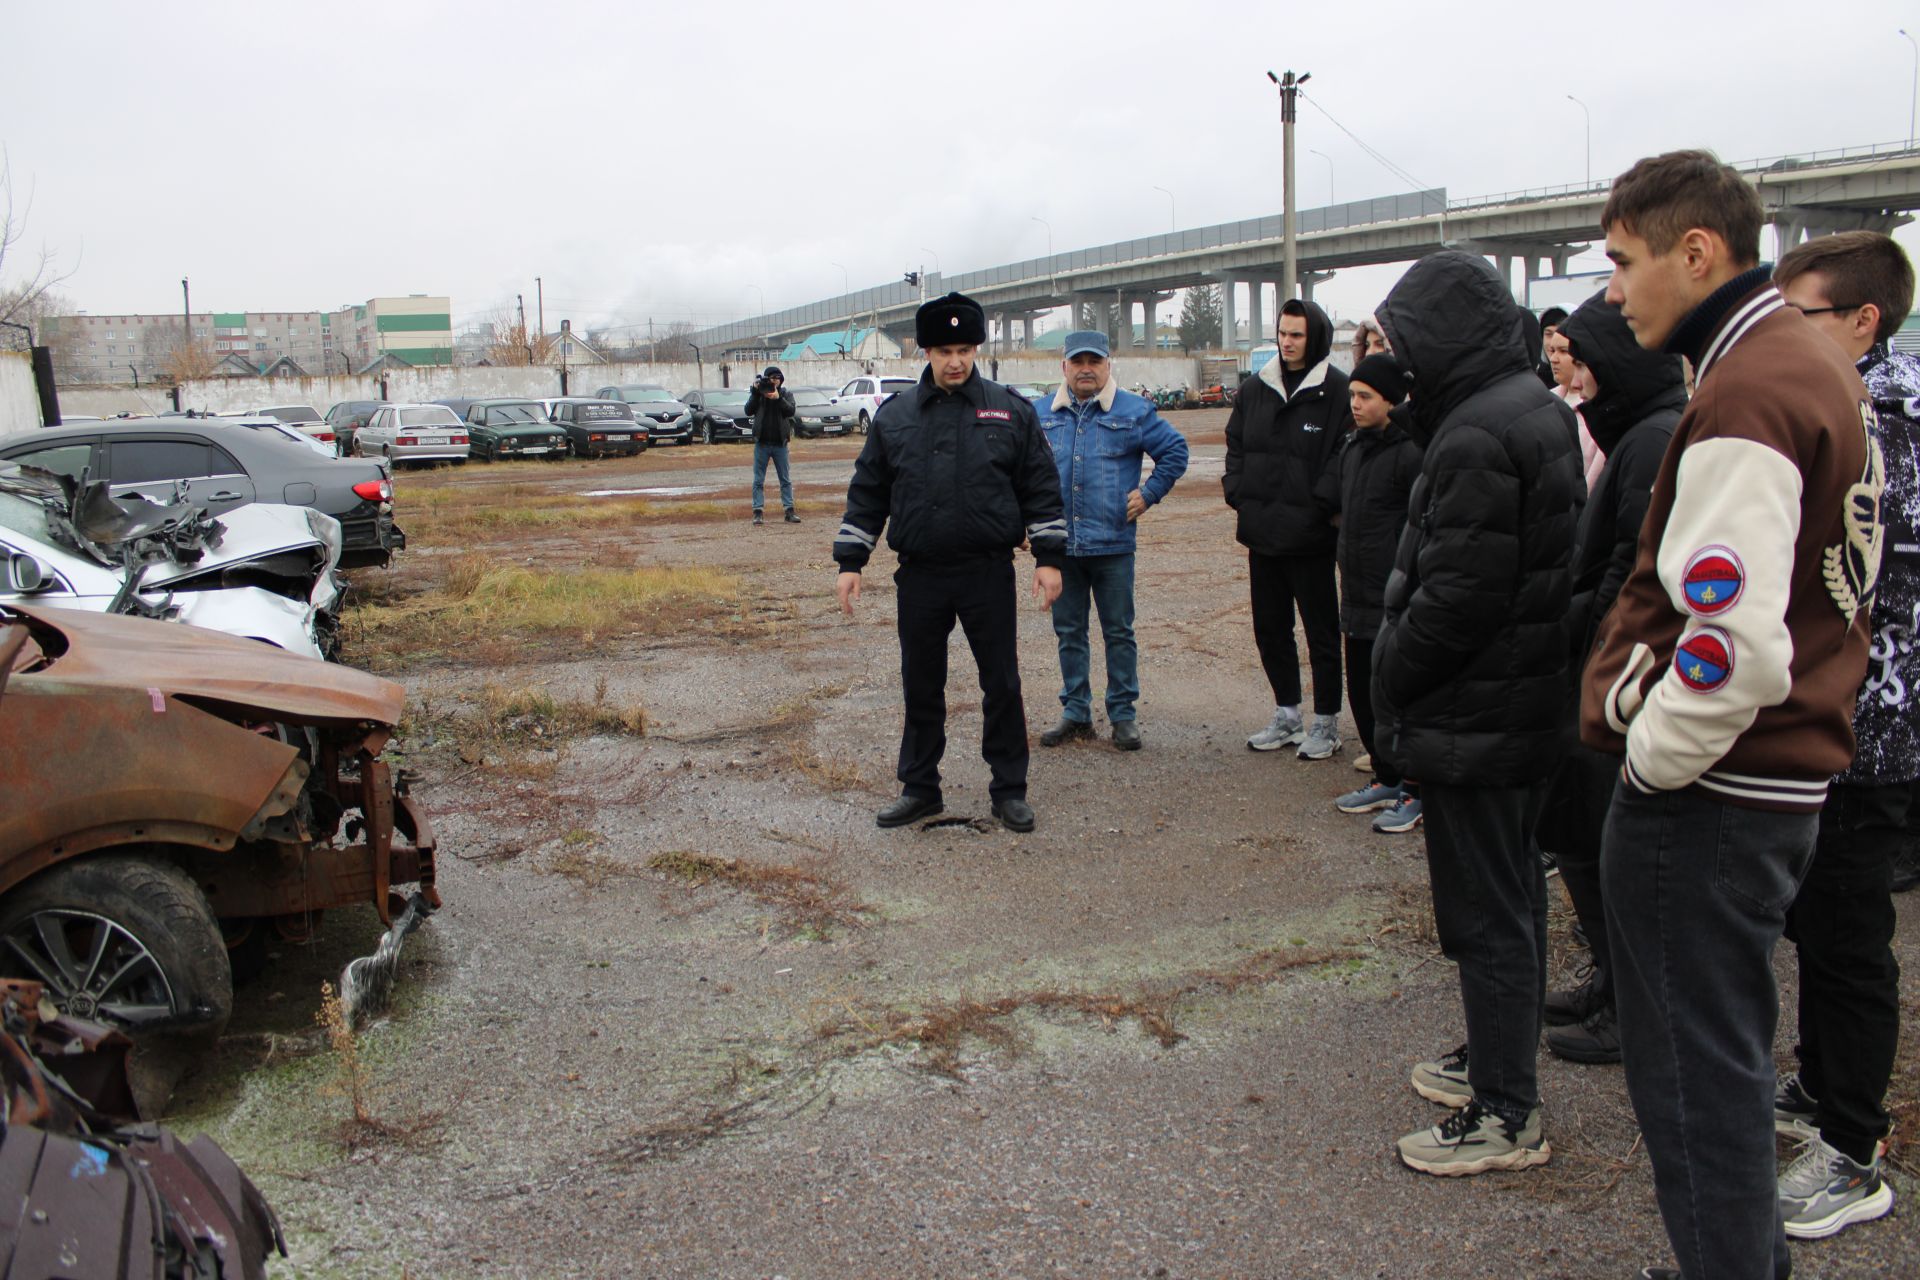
(953,475)
(1471,669)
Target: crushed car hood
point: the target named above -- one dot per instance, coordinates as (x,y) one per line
(107,650)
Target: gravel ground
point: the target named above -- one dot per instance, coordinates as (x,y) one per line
(1196,989)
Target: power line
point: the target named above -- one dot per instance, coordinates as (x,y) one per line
(1378,157)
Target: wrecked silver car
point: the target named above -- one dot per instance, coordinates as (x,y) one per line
(181,797)
(261,571)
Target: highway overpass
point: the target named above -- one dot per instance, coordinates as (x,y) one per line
(1861,187)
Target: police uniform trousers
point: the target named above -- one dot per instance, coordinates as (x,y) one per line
(978,593)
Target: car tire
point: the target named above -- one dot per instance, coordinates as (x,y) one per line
(493,451)
(168,957)
(706,434)
(864,422)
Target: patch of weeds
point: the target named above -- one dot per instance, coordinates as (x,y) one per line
(675,1137)
(590,870)
(806,900)
(509,721)
(362,1128)
(837,774)
(790,716)
(579,836)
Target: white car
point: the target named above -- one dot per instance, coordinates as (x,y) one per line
(412,433)
(278,430)
(862,396)
(108,555)
(303,418)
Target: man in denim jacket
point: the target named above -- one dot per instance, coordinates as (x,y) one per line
(1099,434)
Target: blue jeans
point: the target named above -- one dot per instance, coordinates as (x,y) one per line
(1697,893)
(778,452)
(1108,580)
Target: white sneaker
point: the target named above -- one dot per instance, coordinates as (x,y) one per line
(1823,1192)
(1285,731)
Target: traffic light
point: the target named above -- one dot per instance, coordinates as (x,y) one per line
(913,278)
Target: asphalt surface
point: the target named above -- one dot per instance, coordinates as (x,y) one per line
(612,1073)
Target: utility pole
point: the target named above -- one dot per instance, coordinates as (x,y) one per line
(1289,86)
(566,340)
(540,304)
(525,341)
(186,337)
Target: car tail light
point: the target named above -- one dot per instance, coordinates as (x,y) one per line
(595,436)
(460,439)
(380,490)
(325,437)
(407,440)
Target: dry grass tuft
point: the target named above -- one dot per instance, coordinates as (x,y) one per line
(453,515)
(837,774)
(481,604)
(362,1128)
(808,902)
(507,722)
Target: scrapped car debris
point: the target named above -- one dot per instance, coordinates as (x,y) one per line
(184,796)
(86,1189)
(366,984)
(263,571)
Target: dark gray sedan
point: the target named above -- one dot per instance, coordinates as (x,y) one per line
(222,465)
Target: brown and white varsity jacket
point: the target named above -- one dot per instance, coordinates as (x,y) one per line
(1733,656)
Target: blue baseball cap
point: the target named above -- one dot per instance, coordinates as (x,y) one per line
(1081,341)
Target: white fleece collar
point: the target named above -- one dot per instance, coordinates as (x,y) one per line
(1063,398)
(1271,370)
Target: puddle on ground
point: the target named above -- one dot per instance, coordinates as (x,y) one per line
(655,491)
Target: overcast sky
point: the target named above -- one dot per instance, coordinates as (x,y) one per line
(689,161)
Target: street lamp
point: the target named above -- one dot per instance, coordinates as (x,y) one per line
(1913,98)
(846,282)
(1049,226)
(1173,219)
(763,297)
(1329,159)
(1589,118)
(936,259)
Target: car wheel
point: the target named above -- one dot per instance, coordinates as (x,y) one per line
(123,939)
(493,451)
(353,450)
(864,424)
(706,434)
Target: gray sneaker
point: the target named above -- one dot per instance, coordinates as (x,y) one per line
(1444,1081)
(1323,738)
(1823,1192)
(1474,1140)
(1285,731)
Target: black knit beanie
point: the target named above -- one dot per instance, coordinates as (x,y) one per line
(1384,374)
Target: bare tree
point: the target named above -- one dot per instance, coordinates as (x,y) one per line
(670,345)
(33,277)
(513,345)
(168,350)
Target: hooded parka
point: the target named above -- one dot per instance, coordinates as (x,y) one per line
(1280,445)
(1642,395)
(1377,471)
(1470,670)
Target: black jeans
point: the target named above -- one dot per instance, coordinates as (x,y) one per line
(1360,702)
(1697,894)
(979,595)
(1577,814)
(1490,907)
(1279,583)
(1843,921)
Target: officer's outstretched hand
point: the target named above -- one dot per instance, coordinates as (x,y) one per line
(848,589)
(1046,586)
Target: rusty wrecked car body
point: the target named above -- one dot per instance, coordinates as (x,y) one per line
(174,797)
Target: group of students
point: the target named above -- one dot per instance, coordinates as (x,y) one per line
(1668,639)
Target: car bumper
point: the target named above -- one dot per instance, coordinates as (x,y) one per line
(368,537)
(430,453)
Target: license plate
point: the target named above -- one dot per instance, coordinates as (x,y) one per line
(619,437)
(538,448)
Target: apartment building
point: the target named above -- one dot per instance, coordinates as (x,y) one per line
(417,328)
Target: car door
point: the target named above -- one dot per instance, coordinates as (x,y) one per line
(156,466)
(70,458)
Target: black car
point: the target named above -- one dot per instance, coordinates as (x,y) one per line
(818,414)
(668,420)
(222,466)
(348,417)
(600,428)
(718,413)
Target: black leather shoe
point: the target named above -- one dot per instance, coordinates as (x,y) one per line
(1570,1008)
(791,517)
(1595,1041)
(1126,735)
(1015,813)
(908,809)
(1066,731)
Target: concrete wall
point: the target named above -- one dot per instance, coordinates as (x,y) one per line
(19,402)
(222,395)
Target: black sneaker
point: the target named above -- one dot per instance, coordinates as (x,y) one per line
(1571,1008)
(758,518)
(1595,1041)
(791,517)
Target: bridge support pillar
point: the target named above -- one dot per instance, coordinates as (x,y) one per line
(1308,279)
(1229,314)
(1257,327)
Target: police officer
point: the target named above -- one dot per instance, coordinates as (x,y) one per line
(960,473)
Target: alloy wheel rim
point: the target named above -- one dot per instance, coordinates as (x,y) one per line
(92,966)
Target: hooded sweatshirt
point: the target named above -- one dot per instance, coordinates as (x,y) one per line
(1735,651)
(1471,672)
(1642,394)
(1281,446)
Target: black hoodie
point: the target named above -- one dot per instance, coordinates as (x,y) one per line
(1280,448)
(1471,668)
(1642,395)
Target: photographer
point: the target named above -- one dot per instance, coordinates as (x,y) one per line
(770,408)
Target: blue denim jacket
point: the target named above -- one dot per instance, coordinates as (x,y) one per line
(1097,447)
